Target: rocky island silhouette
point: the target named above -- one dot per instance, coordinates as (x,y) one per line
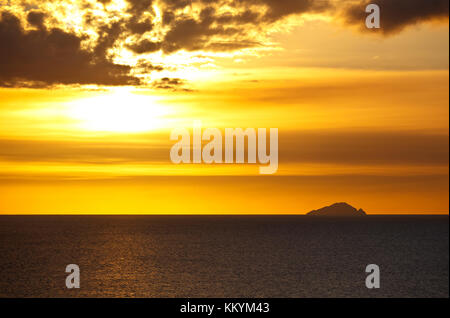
(338,209)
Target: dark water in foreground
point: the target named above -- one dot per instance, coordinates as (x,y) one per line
(223,256)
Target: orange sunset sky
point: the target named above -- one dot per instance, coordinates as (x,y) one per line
(90,91)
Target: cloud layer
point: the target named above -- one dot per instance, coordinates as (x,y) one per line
(46,43)
(330,147)
(43,57)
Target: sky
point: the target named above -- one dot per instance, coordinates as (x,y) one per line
(91,90)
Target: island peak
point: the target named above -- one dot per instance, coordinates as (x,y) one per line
(338,209)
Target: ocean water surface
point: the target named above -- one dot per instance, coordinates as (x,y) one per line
(224,256)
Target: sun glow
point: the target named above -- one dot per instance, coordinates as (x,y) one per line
(119,111)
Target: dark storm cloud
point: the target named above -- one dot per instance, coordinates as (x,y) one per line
(190,34)
(47,57)
(198,34)
(145,67)
(36,18)
(247,16)
(174,84)
(145,46)
(397,14)
(108,35)
(139,27)
(207,32)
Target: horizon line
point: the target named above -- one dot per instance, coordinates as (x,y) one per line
(215,214)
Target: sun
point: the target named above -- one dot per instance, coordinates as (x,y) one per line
(119,111)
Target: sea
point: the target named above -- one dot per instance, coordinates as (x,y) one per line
(224,256)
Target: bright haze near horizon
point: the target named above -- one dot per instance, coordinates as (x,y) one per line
(90,90)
